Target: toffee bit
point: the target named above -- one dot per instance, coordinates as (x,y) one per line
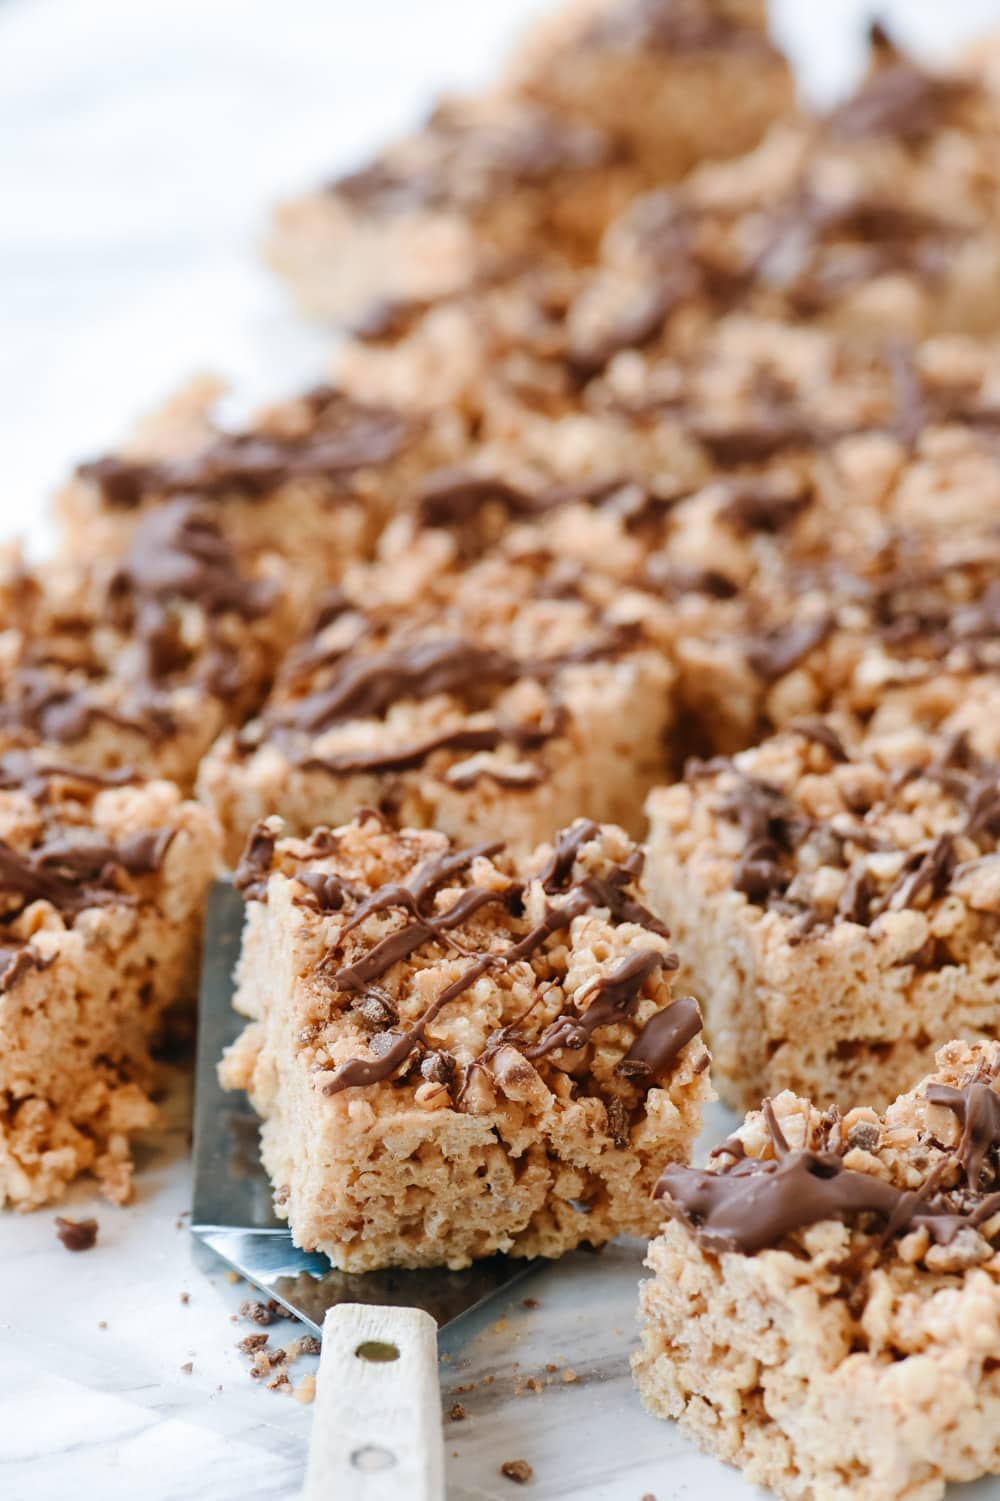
(251,1343)
(456,1412)
(377,1011)
(517,1470)
(262,1313)
(76,1235)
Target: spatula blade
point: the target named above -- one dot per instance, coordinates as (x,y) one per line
(232,1214)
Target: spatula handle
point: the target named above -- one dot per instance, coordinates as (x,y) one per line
(377,1416)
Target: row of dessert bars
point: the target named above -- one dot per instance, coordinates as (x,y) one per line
(620,626)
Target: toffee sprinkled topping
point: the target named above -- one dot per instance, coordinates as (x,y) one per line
(612,997)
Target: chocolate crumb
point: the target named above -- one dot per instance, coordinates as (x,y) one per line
(517,1470)
(252,1342)
(550,1366)
(530,1303)
(280,1383)
(456,1412)
(185,1298)
(309,1345)
(533,1384)
(76,1235)
(188,1367)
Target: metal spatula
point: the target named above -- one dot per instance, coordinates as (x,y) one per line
(377,1424)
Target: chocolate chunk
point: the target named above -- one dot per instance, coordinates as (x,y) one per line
(76,1235)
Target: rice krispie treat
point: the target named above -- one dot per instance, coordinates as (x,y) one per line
(834,905)
(456,1052)
(675,81)
(515,697)
(311,479)
(142,662)
(449,209)
(824,1310)
(102,879)
(880,219)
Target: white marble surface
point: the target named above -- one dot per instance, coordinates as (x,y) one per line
(141,145)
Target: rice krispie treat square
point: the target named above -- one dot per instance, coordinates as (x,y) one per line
(834,905)
(449,209)
(456,1052)
(143,661)
(516,697)
(675,81)
(824,1310)
(102,880)
(311,479)
(879,219)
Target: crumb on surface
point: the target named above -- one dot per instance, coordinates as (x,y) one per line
(188,1367)
(306,1389)
(76,1235)
(261,1313)
(251,1343)
(232,1276)
(530,1303)
(517,1470)
(457,1412)
(185,1298)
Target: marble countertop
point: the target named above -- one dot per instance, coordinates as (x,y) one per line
(149,139)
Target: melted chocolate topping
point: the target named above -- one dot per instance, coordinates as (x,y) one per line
(251,874)
(900,100)
(15,963)
(612,998)
(615,995)
(661,1041)
(346,437)
(977,1107)
(489,737)
(76,873)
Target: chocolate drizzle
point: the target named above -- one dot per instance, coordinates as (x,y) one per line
(345,436)
(612,997)
(661,1040)
(749,1204)
(900,100)
(73,874)
(15,963)
(977,1107)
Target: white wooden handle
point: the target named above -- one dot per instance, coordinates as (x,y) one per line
(377,1416)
